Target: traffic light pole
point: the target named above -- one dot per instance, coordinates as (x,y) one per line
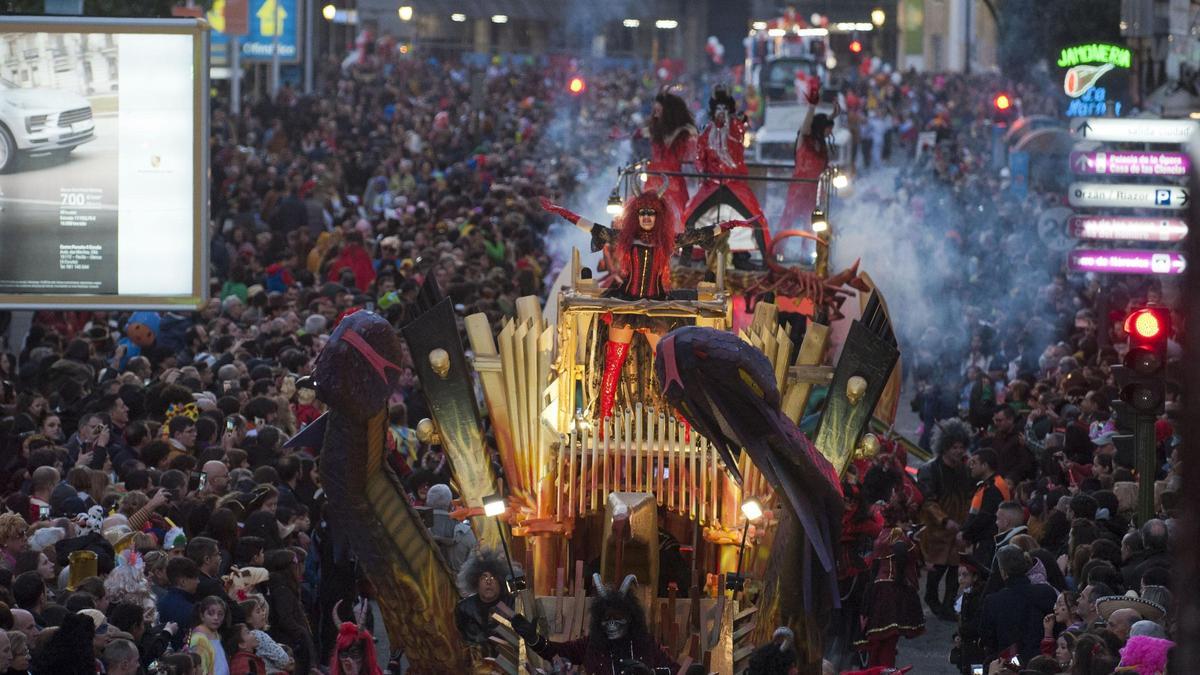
(1146,454)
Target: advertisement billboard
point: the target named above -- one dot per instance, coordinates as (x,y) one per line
(103,162)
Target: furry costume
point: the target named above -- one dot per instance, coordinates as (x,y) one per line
(597,652)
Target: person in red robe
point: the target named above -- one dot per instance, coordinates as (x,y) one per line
(721,150)
(354,256)
(672,132)
(812,158)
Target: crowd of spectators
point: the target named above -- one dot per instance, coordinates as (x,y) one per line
(153,518)
(1026,514)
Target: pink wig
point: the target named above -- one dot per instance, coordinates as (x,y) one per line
(1148,654)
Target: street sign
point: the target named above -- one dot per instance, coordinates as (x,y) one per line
(1133,130)
(1127,228)
(1126,261)
(1128,195)
(1110,163)
(1052,229)
(266,18)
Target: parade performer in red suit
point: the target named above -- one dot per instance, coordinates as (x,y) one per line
(812,157)
(892,607)
(672,133)
(643,239)
(721,150)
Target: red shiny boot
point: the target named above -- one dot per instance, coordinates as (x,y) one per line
(614,359)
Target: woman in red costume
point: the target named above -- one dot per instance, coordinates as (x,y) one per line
(354,652)
(892,607)
(644,238)
(812,158)
(672,142)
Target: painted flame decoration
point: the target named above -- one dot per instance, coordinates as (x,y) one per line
(1081,78)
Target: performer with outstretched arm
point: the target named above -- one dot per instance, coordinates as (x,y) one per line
(643,238)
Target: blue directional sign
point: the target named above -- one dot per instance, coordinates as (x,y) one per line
(266,18)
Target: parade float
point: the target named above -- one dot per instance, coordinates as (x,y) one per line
(714,515)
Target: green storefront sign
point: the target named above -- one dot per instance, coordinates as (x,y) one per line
(1095,53)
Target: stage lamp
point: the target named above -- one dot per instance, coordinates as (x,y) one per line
(493,507)
(840,180)
(819,223)
(752,510)
(614,203)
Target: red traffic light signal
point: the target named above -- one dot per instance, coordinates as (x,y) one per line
(855,46)
(576,85)
(1002,102)
(1146,360)
(1144,323)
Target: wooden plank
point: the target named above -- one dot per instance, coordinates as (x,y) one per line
(533,409)
(812,350)
(580,595)
(640,440)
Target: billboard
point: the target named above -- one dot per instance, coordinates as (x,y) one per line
(103,163)
(266,19)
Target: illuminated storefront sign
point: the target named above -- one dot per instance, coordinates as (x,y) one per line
(1096,52)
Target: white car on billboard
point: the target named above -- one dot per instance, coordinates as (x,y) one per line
(35,121)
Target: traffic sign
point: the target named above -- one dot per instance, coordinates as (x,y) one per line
(266,18)
(1128,195)
(1112,163)
(1126,261)
(1052,230)
(1127,228)
(1133,130)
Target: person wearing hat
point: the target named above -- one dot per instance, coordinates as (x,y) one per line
(1120,612)
(102,635)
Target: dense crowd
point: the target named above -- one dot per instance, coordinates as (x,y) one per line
(153,518)
(155,521)
(1024,519)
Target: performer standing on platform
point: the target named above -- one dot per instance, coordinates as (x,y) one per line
(644,239)
(721,150)
(672,132)
(812,158)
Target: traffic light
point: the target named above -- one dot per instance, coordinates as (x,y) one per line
(1145,362)
(855,46)
(1003,109)
(576,86)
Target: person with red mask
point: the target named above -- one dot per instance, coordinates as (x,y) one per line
(643,239)
(354,652)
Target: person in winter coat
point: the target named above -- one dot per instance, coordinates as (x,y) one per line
(1011,624)
(290,626)
(946,484)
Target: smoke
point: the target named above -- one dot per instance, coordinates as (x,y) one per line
(952,262)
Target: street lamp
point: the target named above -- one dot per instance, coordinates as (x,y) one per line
(877,17)
(840,180)
(666,24)
(405,12)
(631,23)
(494,507)
(499,18)
(458,18)
(329,11)
(752,510)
